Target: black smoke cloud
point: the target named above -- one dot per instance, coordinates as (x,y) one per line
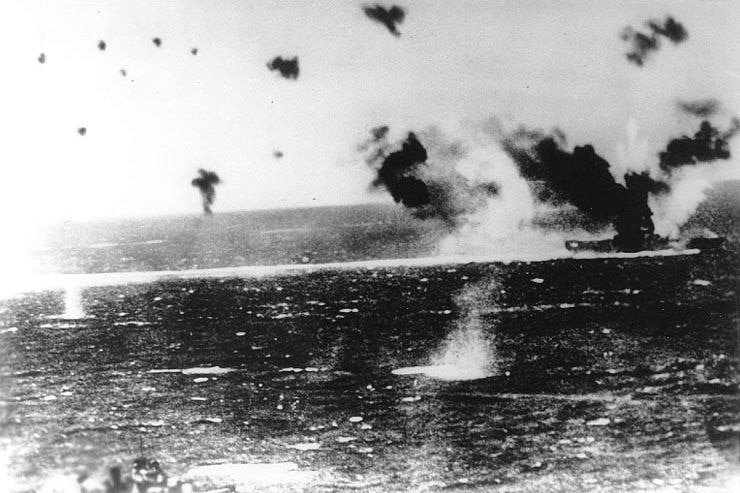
(670,29)
(205,184)
(428,183)
(388,17)
(288,67)
(157,42)
(708,144)
(398,173)
(702,108)
(431,189)
(643,44)
(582,178)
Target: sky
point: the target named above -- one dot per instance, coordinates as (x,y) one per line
(544,64)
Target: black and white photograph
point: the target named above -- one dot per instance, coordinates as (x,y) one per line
(357,246)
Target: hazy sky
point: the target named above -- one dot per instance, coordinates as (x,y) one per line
(543,64)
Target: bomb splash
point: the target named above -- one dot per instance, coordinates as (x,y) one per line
(469,351)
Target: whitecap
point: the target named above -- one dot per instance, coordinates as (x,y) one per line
(445,372)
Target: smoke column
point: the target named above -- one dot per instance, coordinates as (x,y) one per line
(205,183)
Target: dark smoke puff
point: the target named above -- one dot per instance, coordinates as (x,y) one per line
(194,51)
(379,133)
(389,18)
(581,177)
(205,184)
(645,43)
(702,108)
(431,189)
(642,45)
(157,42)
(707,144)
(411,192)
(101,45)
(287,67)
(42,58)
(670,29)
(82,131)
(376,144)
(396,173)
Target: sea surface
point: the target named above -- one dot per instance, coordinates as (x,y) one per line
(567,374)
(272,237)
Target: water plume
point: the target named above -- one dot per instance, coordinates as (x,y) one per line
(73,309)
(469,350)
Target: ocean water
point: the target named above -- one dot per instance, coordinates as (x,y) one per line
(370,375)
(231,239)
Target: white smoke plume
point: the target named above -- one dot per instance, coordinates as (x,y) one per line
(496,225)
(688,190)
(687,185)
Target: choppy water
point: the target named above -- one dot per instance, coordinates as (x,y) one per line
(276,237)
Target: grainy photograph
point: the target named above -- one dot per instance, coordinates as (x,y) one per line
(349,246)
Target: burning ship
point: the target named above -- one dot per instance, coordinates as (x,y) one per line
(648,243)
(641,240)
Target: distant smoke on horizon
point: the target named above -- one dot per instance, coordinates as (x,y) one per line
(643,44)
(388,17)
(205,184)
(287,67)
